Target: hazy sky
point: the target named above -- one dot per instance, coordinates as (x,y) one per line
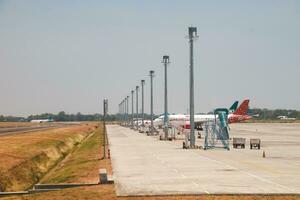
(69,55)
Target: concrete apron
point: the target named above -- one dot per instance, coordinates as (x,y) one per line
(146,166)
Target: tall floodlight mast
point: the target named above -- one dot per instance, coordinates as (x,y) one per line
(166,116)
(151,100)
(192,37)
(124,103)
(137,107)
(132,110)
(143,114)
(127,111)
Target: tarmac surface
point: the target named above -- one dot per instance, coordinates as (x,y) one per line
(26,129)
(143,165)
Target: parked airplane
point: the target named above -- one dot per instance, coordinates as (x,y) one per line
(283,117)
(240,114)
(41,120)
(236,115)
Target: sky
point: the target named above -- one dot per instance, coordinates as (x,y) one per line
(69,55)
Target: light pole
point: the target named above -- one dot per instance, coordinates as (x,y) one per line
(132,116)
(105,111)
(124,107)
(137,106)
(192,37)
(143,114)
(151,100)
(127,99)
(124,111)
(166,120)
(121,116)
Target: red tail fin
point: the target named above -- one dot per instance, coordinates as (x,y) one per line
(243,108)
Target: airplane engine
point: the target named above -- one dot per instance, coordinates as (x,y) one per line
(188,126)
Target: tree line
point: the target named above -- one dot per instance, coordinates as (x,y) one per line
(267,114)
(259,114)
(63,116)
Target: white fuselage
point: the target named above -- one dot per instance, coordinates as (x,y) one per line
(180,120)
(140,122)
(41,120)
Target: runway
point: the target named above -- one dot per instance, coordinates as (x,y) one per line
(20,130)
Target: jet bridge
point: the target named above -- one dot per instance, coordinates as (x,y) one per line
(217,130)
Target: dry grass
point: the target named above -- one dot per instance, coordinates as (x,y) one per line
(16,124)
(83,164)
(24,158)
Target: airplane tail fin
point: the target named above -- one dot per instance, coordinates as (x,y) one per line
(243,108)
(234,106)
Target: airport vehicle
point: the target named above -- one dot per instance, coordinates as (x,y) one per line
(239,142)
(254,143)
(236,115)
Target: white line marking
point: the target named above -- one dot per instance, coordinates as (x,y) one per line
(268,181)
(248,173)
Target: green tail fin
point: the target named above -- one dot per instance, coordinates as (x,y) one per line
(234,106)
